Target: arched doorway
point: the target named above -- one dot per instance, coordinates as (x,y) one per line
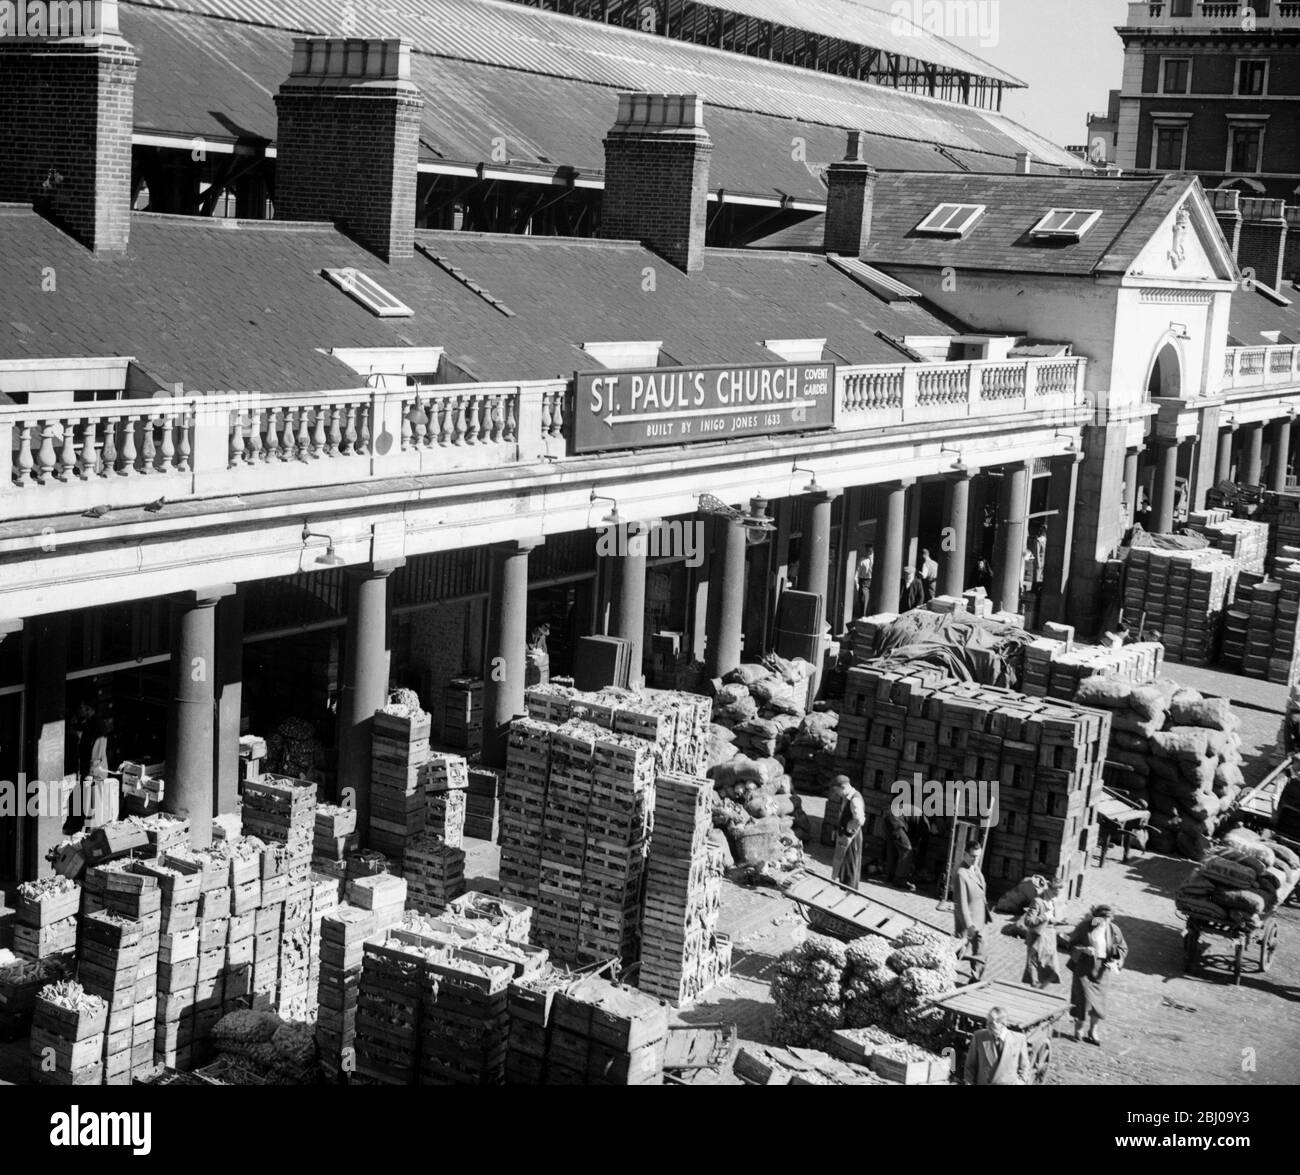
(1166,378)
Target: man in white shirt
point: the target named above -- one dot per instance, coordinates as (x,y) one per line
(929,575)
(866,569)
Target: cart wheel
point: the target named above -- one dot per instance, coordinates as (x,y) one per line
(1191,949)
(1042,1061)
(1268,945)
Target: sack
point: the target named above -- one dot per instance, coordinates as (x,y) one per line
(1199,775)
(1148,703)
(1188,708)
(1131,759)
(1188,743)
(1192,842)
(1285,855)
(1104,692)
(1129,721)
(1128,741)
(729,695)
(1230,873)
(746,675)
(1246,900)
(1228,775)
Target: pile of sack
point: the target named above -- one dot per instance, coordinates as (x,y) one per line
(823,985)
(1241,881)
(761,697)
(811,753)
(272,1051)
(1182,753)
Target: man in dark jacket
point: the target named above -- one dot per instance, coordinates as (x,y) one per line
(907,833)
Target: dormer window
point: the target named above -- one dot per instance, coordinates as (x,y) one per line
(632,355)
(1067,224)
(797,350)
(364,289)
(951,220)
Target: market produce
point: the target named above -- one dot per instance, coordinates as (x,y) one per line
(807,993)
(292,748)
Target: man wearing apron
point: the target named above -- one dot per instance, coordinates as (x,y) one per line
(846,863)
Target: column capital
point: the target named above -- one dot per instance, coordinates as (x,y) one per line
(961,474)
(898,483)
(380,569)
(518,546)
(205,597)
(822,494)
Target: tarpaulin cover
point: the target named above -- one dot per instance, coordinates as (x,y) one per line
(966,647)
(1168,542)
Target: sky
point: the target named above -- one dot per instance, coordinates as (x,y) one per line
(1066,50)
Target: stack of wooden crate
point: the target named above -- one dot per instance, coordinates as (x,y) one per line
(434,871)
(1046,758)
(1243,541)
(45,920)
(523,807)
(679,952)
(67,1038)
(1182,594)
(1058,666)
(388,1011)
(334,835)
(399,746)
(1260,640)
(165,833)
(604,1034)
(529,1003)
(481,803)
(107,957)
(178,968)
(343,932)
(464,1020)
(135,896)
(462,721)
(446,785)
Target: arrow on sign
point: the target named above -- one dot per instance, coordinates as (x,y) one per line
(636,418)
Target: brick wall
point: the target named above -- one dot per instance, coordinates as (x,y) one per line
(350,155)
(446,642)
(849,199)
(68,108)
(656,191)
(1262,246)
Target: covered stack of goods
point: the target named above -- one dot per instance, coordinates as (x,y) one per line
(446,783)
(1054,668)
(1241,881)
(1174,752)
(1243,541)
(45,920)
(824,985)
(1260,632)
(1183,593)
(462,713)
(434,871)
(399,745)
(755,806)
(1046,757)
(602,1033)
(862,642)
(67,1041)
(681,952)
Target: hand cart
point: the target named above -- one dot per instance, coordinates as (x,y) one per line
(844,913)
(1027,1009)
(1262,938)
(1120,817)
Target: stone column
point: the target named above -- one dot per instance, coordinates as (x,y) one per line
(1010,544)
(1131,481)
(722,645)
(1061,496)
(627,618)
(1223,461)
(1281,454)
(1162,507)
(230,690)
(366,660)
(956,516)
(891,538)
(507,647)
(1252,460)
(815,562)
(191,766)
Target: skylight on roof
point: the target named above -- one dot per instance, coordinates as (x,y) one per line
(951,220)
(368,292)
(1066,223)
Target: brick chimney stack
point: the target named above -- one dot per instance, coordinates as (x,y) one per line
(1024,163)
(1227,211)
(1263,239)
(657,176)
(347,147)
(67,105)
(851,194)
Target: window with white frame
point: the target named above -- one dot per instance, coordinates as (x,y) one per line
(1066,223)
(951,220)
(1169,145)
(1245,147)
(368,292)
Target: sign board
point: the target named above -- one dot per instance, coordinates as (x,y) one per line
(682,405)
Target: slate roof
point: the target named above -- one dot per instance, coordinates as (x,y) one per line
(1251,314)
(999,240)
(223,305)
(547,84)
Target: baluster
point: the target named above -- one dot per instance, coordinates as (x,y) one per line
(128,447)
(23,463)
(167,456)
(68,453)
(510,428)
(89,449)
(304,437)
(148,453)
(183,446)
(445,422)
(473,419)
(45,458)
(363,430)
(557,417)
(546,414)
(335,438)
(461,424)
(350,431)
(254,451)
(109,462)
(237,439)
(318,431)
(495,418)
(272,451)
(406,429)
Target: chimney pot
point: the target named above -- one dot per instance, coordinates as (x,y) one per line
(657,176)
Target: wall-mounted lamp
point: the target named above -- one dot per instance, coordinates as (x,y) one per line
(959,465)
(612,518)
(1180,332)
(329,558)
(1063,436)
(812,487)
